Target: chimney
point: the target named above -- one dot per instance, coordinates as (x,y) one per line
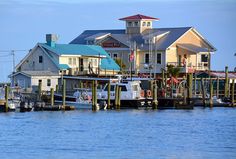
(51,39)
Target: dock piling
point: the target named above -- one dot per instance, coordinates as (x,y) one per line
(232,93)
(52,96)
(119,97)
(40,91)
(154,102)
(94,95)
(226,82)
(190,86)
(203,93)
(217,87)
(64,93)
(6,97)
(211,93)
(109,95)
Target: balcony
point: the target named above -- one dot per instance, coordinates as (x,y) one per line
(189,68)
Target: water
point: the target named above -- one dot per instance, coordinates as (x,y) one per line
(128,134)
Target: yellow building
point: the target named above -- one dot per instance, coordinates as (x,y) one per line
(153,48)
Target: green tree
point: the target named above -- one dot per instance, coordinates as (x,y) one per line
(173,71)
(120,63)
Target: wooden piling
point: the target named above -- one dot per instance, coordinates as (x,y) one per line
(6,97)
(116,96)
(232,93)
(217,87)
(189,87)
(211,93)
(119,97)
(226,82)
(64,93)
(203,93)
(165,84)
(40,91)
(52,96)
(154,102)
(162,79)
(94,95)
(109,95)
(195,84)
(57,88)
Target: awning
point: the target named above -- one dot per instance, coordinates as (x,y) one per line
(194,48)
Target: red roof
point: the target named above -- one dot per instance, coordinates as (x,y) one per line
(138,17)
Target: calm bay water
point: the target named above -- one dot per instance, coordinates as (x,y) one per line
(131,134)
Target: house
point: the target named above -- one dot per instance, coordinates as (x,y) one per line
(149,50)
(47,62)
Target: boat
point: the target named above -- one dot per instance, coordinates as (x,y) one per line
(132,96)
(80,99)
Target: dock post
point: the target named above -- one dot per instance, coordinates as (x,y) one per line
(116,96)
(64,93)
(203,93)
(57,88)
(163,78)
(93,94)
(195,84)
(165,85)
(109,95)
(119,97)
(6,97)
(217,87)
(154,102)
(40,91)
(52,96)
(211,93)
(190,86)
(232,93)
(226,82)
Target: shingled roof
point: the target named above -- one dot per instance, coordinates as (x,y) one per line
(172,35)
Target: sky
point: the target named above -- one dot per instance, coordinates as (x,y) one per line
(24,23)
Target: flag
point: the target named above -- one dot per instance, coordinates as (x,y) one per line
(131,56)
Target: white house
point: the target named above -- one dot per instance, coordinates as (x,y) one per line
(47,62)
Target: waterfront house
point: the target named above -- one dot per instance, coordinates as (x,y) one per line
(47,62)
(149,50)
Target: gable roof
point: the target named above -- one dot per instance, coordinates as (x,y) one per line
(35,73)
(139,17)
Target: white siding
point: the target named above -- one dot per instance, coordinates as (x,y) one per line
(35,82)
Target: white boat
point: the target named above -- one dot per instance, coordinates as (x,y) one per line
(132,96)
(80,99)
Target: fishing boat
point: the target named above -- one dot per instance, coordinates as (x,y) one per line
(80,99)
(132,96)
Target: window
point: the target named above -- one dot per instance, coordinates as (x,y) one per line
(148,24)
(74,61)
(146,59)
(159,58)
(70,61)
(144,23)
(95,62)
(112,88)
(40,59)
(115,56)
(129,24)
(204,58)
(48,82)
(123,88)
(136,24)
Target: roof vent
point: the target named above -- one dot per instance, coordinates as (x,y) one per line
(51,39)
